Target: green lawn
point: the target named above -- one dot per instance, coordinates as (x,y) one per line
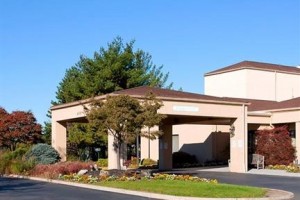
(187,188)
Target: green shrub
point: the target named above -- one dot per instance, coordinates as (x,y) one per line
(43,154)
(4,163)
(16,154)
(289,168)
(293,169)
(148,162)
(20,166)
(19,152)
(73,158)
(181,159)
(13,161)
(102,162)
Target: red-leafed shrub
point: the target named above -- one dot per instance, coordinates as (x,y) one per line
(54,170)
(276,145)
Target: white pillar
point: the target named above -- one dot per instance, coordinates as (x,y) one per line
(113,154)
(59,139)
(165,148)
(297,129)
(239,144)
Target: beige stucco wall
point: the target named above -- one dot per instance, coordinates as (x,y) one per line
(260,85)
(201,109)
(239,143)
(197,140)
(174,109)
(288,116)
(288,86)
(70,113)
(254,84)
(154,148)
(59,131)
(200,141)
(59,138)
(275,86)
(225,84)
(255,118)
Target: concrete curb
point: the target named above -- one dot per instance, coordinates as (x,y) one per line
(272,194)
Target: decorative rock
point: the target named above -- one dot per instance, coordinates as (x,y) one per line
(145,173)
(104,173)
(82,172)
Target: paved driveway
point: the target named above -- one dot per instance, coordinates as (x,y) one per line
(291,184)
(287,183)
(22,189)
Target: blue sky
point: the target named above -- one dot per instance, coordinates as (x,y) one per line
(39,40)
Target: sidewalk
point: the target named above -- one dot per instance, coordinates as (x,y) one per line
(270,172)
(273,172)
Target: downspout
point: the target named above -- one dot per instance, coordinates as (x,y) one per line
(275,85)
(245,139)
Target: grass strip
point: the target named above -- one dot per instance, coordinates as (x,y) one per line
(188,188)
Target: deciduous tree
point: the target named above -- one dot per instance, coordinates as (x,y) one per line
(119,116)
(18,127)
(151,118)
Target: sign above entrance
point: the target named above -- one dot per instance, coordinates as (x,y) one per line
(185,108)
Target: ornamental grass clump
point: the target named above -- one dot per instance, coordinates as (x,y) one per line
(13,162)
(55,170)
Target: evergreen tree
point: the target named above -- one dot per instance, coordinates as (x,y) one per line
(117,67)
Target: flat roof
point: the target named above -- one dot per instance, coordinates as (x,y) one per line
(257,66)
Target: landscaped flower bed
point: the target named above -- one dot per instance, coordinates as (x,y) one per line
(143,180)
(135,177)
(288,168)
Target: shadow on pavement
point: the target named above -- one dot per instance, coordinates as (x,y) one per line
(13,184)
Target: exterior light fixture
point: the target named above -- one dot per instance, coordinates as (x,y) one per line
(232,130)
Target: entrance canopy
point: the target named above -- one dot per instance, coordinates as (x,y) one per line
(180,108)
